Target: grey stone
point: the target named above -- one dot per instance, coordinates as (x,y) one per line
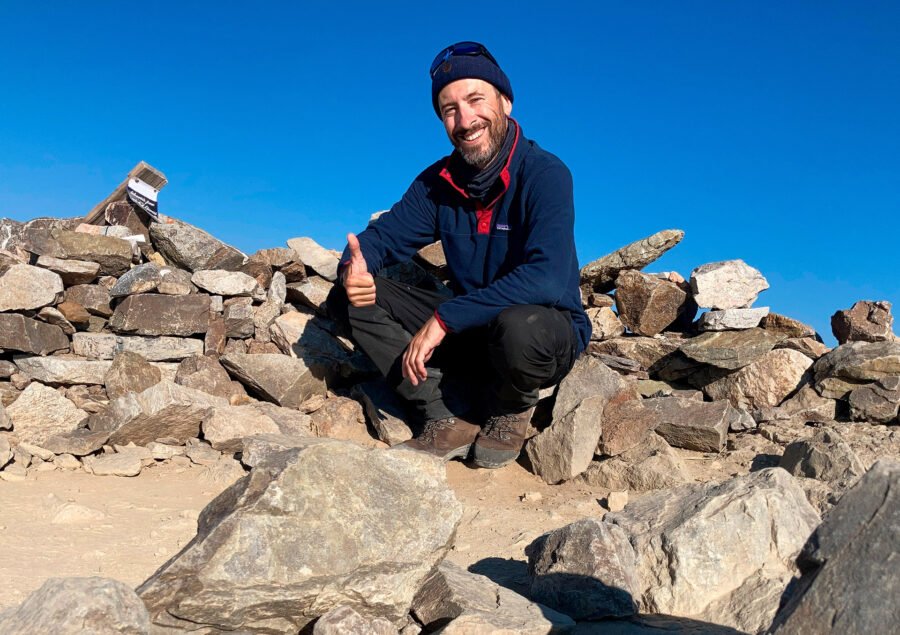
(202,454)
(877,402)
(112,254)
(152,314)
(238,314)
(600,275)
(191,248)
(118,464)
(78,442)
(605,324)
(826,457)
(163,410)
(647,351)
(469,599)
(341,418)
(67,462)
(70,271)
(689,562)
(174,281)
(141,279)
(203,372)
(130,372)
(304,336)
(5,421)
(765,382)
(24,287)
(811,347)
(258,449)
(586,570)
(647,305)
(155,349)
(226,427)
(63,370)
(850,574)
(343,620)
(316,257)
(729,284)
(386,412)
(731,319)
(313,292)
(225,283)
(859,362)
(864,321)
(93,297)
(78,606)
(19,333)
(807,405)
(41,412)
(564,450)
(372,550)
(277,378)
(730,349)
(34,235)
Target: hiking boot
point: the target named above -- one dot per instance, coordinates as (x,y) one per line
(502,439)
(448,438)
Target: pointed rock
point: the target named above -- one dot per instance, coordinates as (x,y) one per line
(647,305)
(865,322)
(130,372)
(193,249)
(316,257)
(789,327)
(600,275)
(277,378)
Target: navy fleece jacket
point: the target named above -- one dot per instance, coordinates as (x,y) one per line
(517,249)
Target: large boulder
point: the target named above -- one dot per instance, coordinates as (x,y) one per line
(730,349)
(19,333)
(647,304)
(600,275)
(730,284)
(153,314)
(285,544)
(283,380)
(78,606)
(865,321)
(850,577)
(193,249)
(721,553)
(41,412)
(112,254)
(24,287)
(765,382)
(849,365)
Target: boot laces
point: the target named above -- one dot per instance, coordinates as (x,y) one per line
(436,425)
(501,426)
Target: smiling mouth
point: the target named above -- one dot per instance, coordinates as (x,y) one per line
(472,136)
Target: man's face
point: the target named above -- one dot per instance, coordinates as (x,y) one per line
(475,118)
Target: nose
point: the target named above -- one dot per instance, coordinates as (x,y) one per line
(467,116)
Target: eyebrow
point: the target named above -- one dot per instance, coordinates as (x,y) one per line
(474,93)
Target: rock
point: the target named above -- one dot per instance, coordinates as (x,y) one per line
(225,283)
(730,349)
(855,363)
(53,316)
(826,457)
(849,564)
(765,382)
(616,501)
(600,275)
(564,450)
(226,427)
(343,620)
(238,315)
(155,349)
(23,287)
(202,454)
(730,319)
(605,324)
(275,256)
(78,606)
(312,292)
(75,514)
(624,426)
(701,426)
(205,373)
(372,550)
(586,570)
(277,378)
(19,333)
(76,314)
(259,271)
(130,372)
(174,281)
(688,562)
(151,314)
(192,248)
(41,412)
(623,366)
(141,279)
(35,451)
(163,410)
(864,322)
(316,257)
(62,370)
(126,464)
(163,451)
(646,304)
(810,347)
(14,473)
(5,421)
(730,284)
(67,462)
(453,594)
(71,272)
(112,254)
(78,442)
(386,412)
(92,297)
(807,405)
(877,402)
(648,351)
(302,335)
(788,327)
(342,418)
(260,448)
(215,339)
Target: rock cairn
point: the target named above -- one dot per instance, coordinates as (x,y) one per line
(136,342)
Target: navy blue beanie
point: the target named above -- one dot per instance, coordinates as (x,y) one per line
(468,66)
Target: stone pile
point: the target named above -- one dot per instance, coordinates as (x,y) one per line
(135,343)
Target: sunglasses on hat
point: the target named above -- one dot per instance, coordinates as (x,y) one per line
(460,48)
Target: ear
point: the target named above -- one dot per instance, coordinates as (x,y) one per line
(507,104)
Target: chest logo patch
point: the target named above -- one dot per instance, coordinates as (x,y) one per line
(503,228)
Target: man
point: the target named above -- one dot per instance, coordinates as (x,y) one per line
(503,210)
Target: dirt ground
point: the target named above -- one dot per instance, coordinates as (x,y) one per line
(63,523)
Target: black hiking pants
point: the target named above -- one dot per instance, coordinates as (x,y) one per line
(494,369)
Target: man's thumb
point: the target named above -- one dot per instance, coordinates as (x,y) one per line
(357,262)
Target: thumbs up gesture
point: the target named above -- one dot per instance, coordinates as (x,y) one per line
(358,282)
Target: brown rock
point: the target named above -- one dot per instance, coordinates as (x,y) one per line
(600,275)
(809,346)
(205,373)
(647,351)
(605,324)
(74,313)
(294,271)
(625,425)
(124,214)
(313,292)
(92,297)
(215,338)
(342,418)
(238,314)
(729,349)
(141,279)
(277,378)
(260,271)
(277,257)
(864,322)
(130,372)
(174,281)
(41,412)
(694,425)
(193,249)
(79,442)
(789,327)
(151,314)
(112,254)
(19,333)
(765,382)
(646,304)
(72,272)
(877,402)
(23,287)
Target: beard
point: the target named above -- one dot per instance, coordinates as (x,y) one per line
(481,157)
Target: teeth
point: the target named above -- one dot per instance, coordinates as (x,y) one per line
(474,135)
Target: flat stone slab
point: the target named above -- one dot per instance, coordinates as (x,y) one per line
(152,314)
(600,275)
(701,426)
(64,371)
(24,287)
(71,271)
(225,283)
(112,254)
(732,319)
(19,333)
(730,349)
(154,349)
(283,380)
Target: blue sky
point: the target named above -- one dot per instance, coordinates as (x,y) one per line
(767,131)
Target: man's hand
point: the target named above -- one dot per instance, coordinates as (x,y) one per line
(420,349)
(358,282)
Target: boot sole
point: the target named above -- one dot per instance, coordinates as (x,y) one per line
(459,453)
(492,460)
